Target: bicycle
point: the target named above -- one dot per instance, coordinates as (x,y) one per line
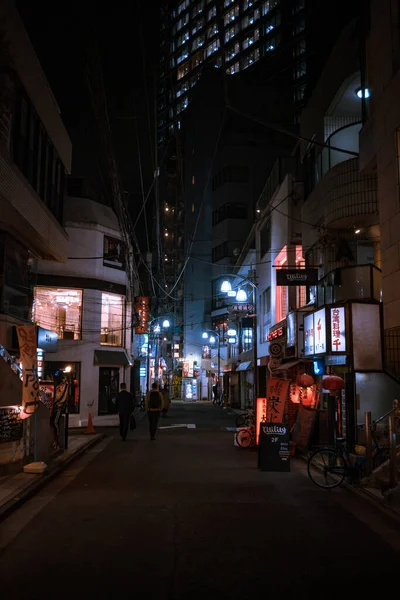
(246,437)
(328,467)
(245,419)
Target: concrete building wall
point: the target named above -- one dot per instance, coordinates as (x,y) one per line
(379,143)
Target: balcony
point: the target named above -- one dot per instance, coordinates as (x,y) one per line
(363,282)
(344,196)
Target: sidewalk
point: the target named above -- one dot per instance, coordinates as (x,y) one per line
(16,489)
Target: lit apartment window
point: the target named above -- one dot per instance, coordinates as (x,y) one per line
(211,13)
(182,71)
(198,42)
(231,32)
(232,52)
(228,3)
(213,47)
(59,310)
(249,41)
(299,26)
(269,5)
(300,70)
(197,25)
(112,319)
(197,9)
(247,4)
(272,43)
(197,59)
(273,22)
(182,57)
(231,15)
(299,48)
(211,31)
(250,58)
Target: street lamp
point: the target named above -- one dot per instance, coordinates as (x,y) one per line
(156,330)
(241,296)
(211,338)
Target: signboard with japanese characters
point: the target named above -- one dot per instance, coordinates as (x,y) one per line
(276,398)
(296,276)
(309,335)
(273,449)
(338,329)
(320,332)
(27,350)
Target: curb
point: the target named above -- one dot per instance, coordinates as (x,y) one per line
(42,480)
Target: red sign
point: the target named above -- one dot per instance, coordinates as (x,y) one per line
(275,334)
(142,312)
(276,398)
(261,415)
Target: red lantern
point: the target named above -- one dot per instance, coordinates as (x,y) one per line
(332,383)
(305,380)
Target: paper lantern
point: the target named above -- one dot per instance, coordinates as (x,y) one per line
(332,383)
(294,393)
(305,380)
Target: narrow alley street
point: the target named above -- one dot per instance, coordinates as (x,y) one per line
(189,516)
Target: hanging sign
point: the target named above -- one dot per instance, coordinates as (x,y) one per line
(142,314)
(309,335)
(320,331)
(275,349)
(296,276)
(276,399)
(338,329)
(27,352)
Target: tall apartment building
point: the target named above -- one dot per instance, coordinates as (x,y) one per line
(258,49)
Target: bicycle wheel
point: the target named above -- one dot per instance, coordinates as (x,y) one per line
(244,438)
(326,468)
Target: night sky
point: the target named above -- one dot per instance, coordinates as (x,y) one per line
(127,35)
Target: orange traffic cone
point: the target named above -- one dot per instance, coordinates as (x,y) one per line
(90,428)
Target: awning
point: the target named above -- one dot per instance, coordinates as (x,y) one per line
(111,358)
(289,365)
(244,366)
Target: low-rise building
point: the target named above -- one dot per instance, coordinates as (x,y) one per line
(86,302)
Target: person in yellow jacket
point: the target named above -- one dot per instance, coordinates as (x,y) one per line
(154,406)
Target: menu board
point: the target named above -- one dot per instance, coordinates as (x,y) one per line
(273,447)
(304,427)
(10,425)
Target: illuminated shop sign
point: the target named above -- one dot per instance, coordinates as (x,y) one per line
(338,329)
(277,333)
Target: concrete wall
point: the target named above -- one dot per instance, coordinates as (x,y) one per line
(378,143)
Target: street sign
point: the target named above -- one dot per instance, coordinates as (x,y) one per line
(275,349)
(273,447)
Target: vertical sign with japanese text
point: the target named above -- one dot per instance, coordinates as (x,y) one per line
(27,351)
(261,415)
(276,399)
(320,331)
(338,329)
(309,335)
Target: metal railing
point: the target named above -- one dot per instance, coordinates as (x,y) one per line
(391,422)
(360,282)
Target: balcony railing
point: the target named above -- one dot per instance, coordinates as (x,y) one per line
(362,282)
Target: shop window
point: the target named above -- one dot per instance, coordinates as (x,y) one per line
(60,310)
(112,319)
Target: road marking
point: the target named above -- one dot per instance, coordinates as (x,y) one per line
(179,425)
(21,517)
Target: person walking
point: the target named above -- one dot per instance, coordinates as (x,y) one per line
(125,407)
(166,401)
(154,405)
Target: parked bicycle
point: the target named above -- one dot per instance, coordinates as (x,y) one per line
(246,437)
(245,419)
(328,467)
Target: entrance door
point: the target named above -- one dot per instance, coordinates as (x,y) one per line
(108,390)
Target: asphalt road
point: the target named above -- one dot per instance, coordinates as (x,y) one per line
(189,516)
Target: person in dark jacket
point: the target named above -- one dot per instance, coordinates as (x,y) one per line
(125,406)
(154,405)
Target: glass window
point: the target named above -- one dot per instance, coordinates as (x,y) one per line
(231,32)
(248,41)
(273,22)
(232,52)
(235,68)
(198,42)
(228,3)
(211,13)
(300,70)
(272,43)
(299,48)
(250,58)
(269,5)
(299,26)
(247,339)
(231,15)
(213,47)
(298,6)
(60,310)
(182,71)
(247,4)
(211,31)
(112,319)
